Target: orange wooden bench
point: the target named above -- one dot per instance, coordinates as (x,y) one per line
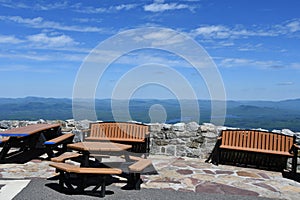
(135,172)
(257,141)
(66,169)
(123,132)
(65,156)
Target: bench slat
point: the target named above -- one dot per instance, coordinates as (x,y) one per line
(140,165)
(59,139)
(258,150)
(84,170)
(65,156)
(114,139)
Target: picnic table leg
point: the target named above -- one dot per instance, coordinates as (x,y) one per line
(126,155)
(136,180)
(5,149)
(85,157)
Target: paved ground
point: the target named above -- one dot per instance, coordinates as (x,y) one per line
(180,178)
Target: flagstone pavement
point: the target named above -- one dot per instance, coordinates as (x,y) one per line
(183,174)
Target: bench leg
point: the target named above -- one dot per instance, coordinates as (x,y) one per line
(6,147)
(135,181)
(102,184)
(50,152)
(294,161)
(64,180)
(103,187)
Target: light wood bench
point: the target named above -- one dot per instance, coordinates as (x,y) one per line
(257,142)
(65,156)
(63,140)
(123,132)
(140,165)
(135,171)
(65,170)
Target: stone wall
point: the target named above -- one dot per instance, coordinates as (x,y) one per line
(181,139)
(191,139)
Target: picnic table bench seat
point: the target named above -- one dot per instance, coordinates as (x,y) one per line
(63,140)
(134,134)
(135,171)
(257,142)
(65,170)
(65,156)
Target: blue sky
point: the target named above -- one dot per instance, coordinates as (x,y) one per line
(254,44)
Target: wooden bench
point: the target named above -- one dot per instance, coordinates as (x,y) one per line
(65,170)
(135,171)
(123,132)
(65,156)
(258,143)
(61,139)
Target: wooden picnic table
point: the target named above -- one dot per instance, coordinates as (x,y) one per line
(27,137)
(106,148)
(103,173)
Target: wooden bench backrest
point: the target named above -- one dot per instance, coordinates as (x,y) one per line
(254,139)
(119,130)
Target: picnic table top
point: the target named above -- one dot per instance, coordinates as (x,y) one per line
(28,130)
(99,146)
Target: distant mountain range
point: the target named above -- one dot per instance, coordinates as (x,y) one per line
(244,114)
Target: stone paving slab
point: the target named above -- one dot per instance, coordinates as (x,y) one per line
(186,174)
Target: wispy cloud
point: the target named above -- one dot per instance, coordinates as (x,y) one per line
(38,56)
(285,83)
(11,39)
(94,10)
(225,32)
(43,39)
(34,5)
(161,6)
(39,22)
(242,62)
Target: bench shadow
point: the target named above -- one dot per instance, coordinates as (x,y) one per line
(75,181)
(21,157)
(93,180)
(291,176)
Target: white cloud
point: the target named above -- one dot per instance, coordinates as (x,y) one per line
(242,62)
(293,26)
(39,22)
(94,10)
(285,83)
(9,39)
(160,6)
(225,32)
(34,5)
(55,41)
(295,65)
(38,56)
(125,6)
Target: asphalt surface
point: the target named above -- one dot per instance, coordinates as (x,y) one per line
(40,189)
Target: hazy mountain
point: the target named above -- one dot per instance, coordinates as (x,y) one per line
(244,114)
